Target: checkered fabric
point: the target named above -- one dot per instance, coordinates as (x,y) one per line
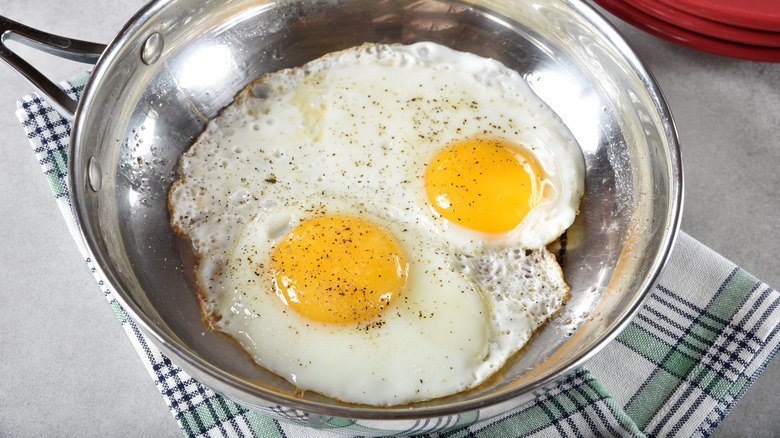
(703,336)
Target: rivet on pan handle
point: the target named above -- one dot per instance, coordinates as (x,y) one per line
(74,50)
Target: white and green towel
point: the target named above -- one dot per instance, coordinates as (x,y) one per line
(698,343)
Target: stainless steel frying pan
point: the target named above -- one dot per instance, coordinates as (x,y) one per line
(177,62)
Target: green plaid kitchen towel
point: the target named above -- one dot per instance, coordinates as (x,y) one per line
(703,336)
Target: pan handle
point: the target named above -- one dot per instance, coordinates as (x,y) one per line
(74,50)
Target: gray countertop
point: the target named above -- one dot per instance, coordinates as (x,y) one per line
(69,369)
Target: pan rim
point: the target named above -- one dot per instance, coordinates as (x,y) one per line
(169,345)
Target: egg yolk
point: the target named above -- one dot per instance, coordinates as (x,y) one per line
(484,185)
(338,269)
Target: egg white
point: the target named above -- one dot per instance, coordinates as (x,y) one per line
(352,133)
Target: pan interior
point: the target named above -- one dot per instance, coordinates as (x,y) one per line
(137,119)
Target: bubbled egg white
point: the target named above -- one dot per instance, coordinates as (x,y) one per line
(356,134)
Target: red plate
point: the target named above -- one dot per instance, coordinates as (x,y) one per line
(754,14)
(687,38)
(704,26)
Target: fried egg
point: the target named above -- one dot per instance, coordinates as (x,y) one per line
(372,225)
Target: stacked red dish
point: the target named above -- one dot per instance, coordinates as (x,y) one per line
(745,29)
